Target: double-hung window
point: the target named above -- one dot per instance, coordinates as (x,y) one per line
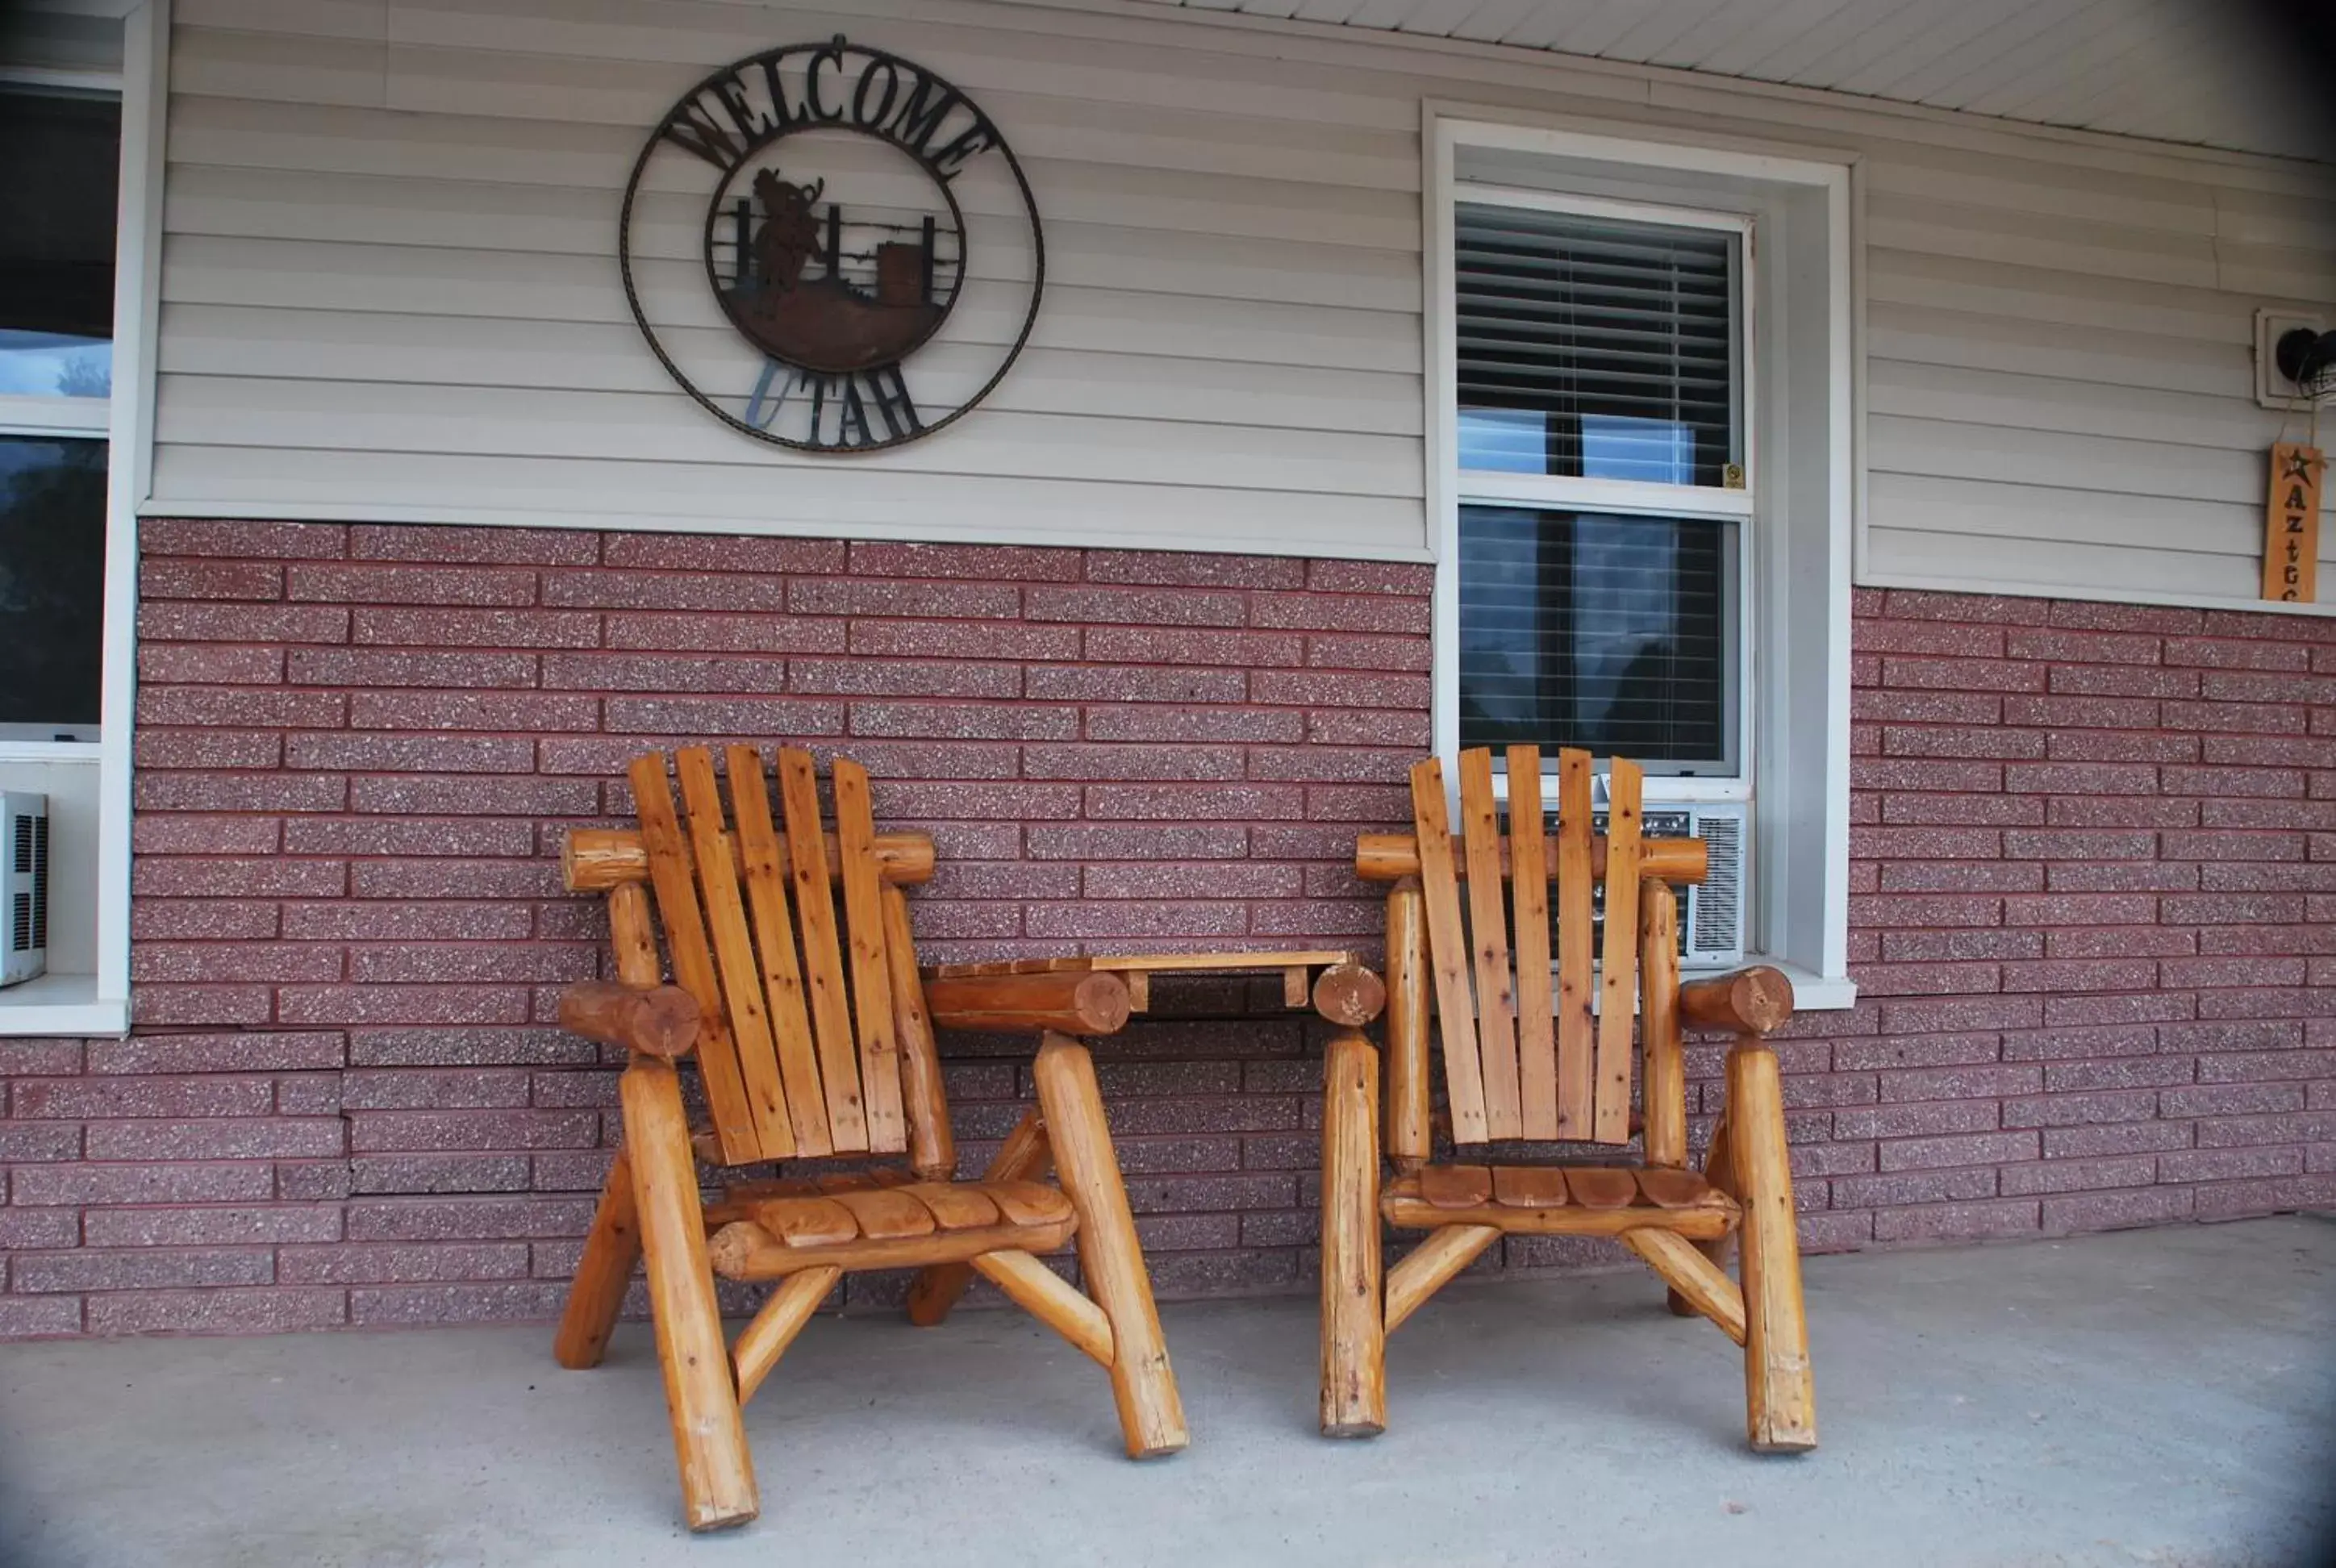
(59,150)
(1643,426)
(81,89)
(1602,386)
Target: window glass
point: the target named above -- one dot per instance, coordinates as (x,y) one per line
(52,584)
(59,158)
(1612,633)
(1596,348)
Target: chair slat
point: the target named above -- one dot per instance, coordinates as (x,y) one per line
(1488,946)
(1600,1187)
(887,1213)
(693,959)
(953,1207)
(1447,946)
(759,853)
(872,981)
(1456,1186)
(1536,1008)
(807,1222)
(1672,1189)
(1027,1202)
(1618,987)
(1575,938)
(824,985)
(1529,1186)
(734,951)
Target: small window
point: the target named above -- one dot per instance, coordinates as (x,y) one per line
(1595,348)
(1615,634)
(52,584)
(59,154)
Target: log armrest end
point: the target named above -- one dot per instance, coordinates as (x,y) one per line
(1751,1001)
(654,1020)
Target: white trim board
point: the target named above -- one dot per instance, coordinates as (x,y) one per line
(667,522)
(99,1003)
(64,1005)
(1796,579)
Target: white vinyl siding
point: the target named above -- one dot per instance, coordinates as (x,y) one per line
(389,291)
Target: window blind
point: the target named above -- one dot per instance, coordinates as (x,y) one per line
(1595,348)
(1610,633)
(52,581)
(58,158)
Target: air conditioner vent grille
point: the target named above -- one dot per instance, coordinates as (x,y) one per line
(1719,901)
(23,886)
(1711,912)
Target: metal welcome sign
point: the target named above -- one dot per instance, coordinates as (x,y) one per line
(797,244)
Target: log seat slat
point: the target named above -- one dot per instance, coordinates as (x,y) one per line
(875,1216)
(886,1214)
(1559,1199)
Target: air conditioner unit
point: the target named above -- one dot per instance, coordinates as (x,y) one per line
(1711,912)
(24,887)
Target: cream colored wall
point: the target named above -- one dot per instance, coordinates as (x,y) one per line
(389,291)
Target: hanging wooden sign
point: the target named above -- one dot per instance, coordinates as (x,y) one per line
(2291,524)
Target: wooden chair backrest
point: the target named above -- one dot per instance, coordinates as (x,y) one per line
(1524,1059)
(797,951)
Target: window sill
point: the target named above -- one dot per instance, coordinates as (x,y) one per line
(1812,992)
(87,751)
(61,1005)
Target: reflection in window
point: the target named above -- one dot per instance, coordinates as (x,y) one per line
(1651,450)
(1610,633)
(59,157)
(52,581)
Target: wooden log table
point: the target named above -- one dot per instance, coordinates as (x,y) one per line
(1341,991)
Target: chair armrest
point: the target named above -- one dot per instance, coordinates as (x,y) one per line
(1748,1002)
(1070,1002)
(654,1020)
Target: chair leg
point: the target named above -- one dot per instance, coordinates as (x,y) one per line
(1110,1260)
(717,1475)
(1023,1157)
(1720,1174)
(766,1338)
(597,1294)
(1780,1402)
(1354,1313)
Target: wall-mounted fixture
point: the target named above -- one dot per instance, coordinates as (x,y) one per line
(2307,358)
(2295,360)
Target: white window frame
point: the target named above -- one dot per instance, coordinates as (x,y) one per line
(98,1003)
(1798,913)
(1701,502)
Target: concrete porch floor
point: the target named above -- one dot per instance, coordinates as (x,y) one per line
(2160,1398)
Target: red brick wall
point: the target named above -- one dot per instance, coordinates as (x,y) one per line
(2093,876)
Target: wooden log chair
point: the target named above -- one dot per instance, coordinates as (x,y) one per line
(1525,1060)
(796,990)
